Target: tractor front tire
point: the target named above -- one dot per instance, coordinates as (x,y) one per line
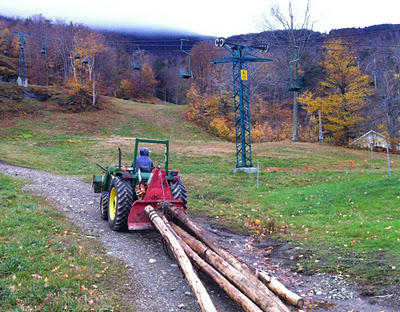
(178,192)
(120,204)
(104,205)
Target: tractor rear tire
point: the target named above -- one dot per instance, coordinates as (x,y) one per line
(104,205)
(120,204)
(178,192)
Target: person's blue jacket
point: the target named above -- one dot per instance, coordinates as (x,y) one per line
(143,161)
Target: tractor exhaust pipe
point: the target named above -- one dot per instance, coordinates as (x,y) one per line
(119,157)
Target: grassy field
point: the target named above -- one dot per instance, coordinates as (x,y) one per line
(346,218)
(46,264)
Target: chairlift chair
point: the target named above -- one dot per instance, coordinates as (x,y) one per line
(185,74)
(86,60)
(298,83)
(44,45)
(136,66)
(136,63)
(296,87)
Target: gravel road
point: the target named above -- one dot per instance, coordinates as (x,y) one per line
(157,283)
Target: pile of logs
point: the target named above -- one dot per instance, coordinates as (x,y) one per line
(190,243)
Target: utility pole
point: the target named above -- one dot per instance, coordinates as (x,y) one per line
(240,57)
(22,79)
(320,133)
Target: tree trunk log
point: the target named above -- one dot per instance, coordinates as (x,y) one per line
(278,288)
(197,286)
(237,296)
(259,294)
(248,270)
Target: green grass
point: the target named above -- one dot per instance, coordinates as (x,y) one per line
(356,215)
(153,121)
(46,264)
(339,216)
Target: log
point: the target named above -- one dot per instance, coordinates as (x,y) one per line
(244,302)
(262,296)
(248,270)
(278,288)
(197,286)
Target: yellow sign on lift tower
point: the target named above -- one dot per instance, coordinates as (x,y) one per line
(243,74)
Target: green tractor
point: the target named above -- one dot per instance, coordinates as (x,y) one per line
(127,190)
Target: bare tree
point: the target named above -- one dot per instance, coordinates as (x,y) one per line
(384,66)
(287,32)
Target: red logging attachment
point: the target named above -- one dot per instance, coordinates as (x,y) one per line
(157,191)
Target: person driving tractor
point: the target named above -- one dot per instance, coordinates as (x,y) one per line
(144,162)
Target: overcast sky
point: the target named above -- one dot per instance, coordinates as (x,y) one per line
(207,17)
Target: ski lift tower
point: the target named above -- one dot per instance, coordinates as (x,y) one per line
(22,70)
(240,57)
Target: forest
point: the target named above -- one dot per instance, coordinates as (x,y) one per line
(345,82)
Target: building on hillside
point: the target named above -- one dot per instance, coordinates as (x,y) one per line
(374,138)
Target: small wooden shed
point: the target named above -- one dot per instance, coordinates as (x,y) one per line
(374,138)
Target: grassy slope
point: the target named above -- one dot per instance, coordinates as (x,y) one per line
(348,219)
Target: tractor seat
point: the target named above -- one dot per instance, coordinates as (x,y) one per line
(145,168)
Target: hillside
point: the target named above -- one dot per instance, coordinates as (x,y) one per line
(36,111)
